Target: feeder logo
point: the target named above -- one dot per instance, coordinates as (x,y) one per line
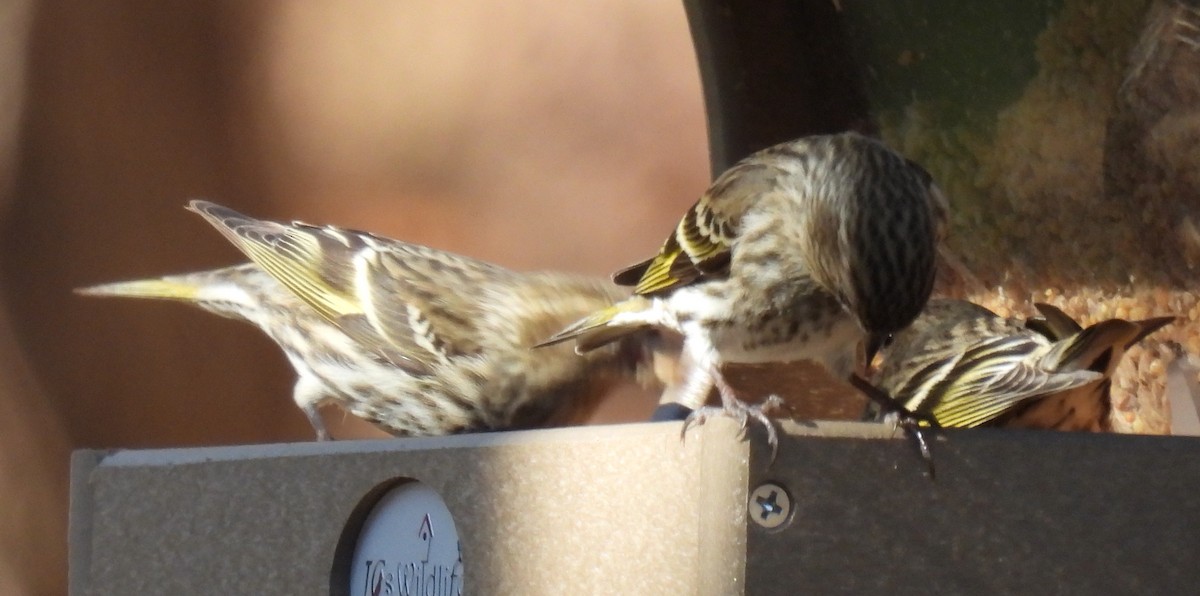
(419,577)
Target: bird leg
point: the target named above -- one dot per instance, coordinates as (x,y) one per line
(705,374)
(915,429)
(308,394)
(318,424)
(732,406)
(914,424)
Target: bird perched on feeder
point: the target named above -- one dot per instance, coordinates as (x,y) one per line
(798,252)
(964,366)
(1076,410)
(416,340)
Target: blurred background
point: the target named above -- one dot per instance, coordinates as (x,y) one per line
(537,135)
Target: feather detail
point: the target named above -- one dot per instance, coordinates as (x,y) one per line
(161,289)
(965,366)
(1054,323)
(602,327)
(418,341)
(388,295)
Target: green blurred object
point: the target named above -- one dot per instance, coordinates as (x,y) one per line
(967,57)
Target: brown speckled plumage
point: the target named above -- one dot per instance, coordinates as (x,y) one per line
(417,340)
(965,366)
(798,252)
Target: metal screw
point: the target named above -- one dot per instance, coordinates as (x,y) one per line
(770,506)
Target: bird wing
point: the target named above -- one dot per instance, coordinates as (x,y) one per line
(1054,323)
(702,244)
(1098,347)
(1093,348)
(989,378)
(430,296)
(407,302)
(966,366)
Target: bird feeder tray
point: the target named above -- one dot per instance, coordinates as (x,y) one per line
(845,508)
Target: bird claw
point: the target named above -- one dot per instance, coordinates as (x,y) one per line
(914,423)
(743,413)
(916,427)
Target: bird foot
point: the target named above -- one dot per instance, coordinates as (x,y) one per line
(743,413)
(913,423)
(916,429)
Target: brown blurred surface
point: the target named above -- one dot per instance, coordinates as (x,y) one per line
(536,135)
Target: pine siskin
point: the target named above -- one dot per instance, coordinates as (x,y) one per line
(798,252)
(1086,408)
(416,340)
(964,366)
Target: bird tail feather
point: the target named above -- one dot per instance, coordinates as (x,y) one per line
(162,288)
(600,328)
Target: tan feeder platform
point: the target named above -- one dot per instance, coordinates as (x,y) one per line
(631,509)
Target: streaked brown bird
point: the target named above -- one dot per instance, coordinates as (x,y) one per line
(417,340)
(964,366)
(798,252)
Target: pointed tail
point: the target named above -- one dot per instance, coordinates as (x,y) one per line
(600,328)
(163,288)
